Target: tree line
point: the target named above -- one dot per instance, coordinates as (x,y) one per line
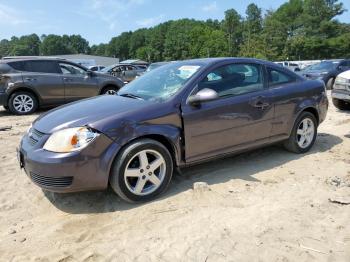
(298,29)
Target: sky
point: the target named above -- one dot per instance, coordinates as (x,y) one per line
(100,20)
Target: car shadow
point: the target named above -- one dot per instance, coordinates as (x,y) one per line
(243,166)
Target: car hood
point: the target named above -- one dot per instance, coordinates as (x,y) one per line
(88,112)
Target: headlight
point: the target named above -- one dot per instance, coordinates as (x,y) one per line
(70,140)
(342,80)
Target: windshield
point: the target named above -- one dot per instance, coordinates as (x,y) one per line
(162,83)
(154,66)
(323,66)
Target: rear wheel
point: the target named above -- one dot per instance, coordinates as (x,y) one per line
(330,83)
(303,135)
(22,103)
(142,171)
(340,104)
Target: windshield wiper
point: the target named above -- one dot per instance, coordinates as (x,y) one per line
(131,96)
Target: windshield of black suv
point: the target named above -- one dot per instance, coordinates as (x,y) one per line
(326,66)
(162,83)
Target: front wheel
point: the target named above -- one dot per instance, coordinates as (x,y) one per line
(340,104)
(142,171)
(111,90)
(303,135)
(330,84)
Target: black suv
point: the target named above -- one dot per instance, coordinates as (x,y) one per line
(326,71)
(26,84)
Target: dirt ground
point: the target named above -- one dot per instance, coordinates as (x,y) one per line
(265,205)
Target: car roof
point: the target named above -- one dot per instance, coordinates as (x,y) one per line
(208,61)
(20,59)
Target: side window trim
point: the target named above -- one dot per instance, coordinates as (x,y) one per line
(272,85)
(68,64)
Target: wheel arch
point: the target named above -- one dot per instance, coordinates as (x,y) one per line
(313,111)
(25,89)
(169,145)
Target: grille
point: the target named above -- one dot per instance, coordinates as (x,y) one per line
(34,136)
(51,181)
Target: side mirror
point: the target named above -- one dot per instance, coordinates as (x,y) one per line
(204,95)
(90,73)
(297,69)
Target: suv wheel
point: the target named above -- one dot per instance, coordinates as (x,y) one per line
(330,84)
(142,171)
(22,103)
(303,134)
(340,104)
(110,90)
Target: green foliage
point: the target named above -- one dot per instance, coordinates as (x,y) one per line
(298,29)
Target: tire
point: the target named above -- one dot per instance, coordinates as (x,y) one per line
(294,143)
(330,83)
(127,184)
(30,103)
(109,90)
(340,104)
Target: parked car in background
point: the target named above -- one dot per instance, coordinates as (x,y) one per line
(341,91)
(96,68)
(326,71)
(156,65)
(181,114)
(27,84)
(126,72)
(291,66)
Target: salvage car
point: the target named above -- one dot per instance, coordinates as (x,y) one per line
(326,71)
(341,91)
(181,114)
(126,72)
(29,83)
(96,68)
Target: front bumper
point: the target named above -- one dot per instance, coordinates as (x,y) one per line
(85,170)
(341,94)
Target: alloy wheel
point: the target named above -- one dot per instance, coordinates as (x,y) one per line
(305,133)
(23,103)
(145,172)
(111,92)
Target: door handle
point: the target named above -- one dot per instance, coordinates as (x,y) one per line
(260,103)
(30,79)
(67,79)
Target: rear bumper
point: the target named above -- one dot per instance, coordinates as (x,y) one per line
(3,99)
(68,172)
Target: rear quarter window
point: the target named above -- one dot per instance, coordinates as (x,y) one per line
(278,77)
(18,65)
(41,67)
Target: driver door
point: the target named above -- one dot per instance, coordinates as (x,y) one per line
(240,118)
(77,83)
